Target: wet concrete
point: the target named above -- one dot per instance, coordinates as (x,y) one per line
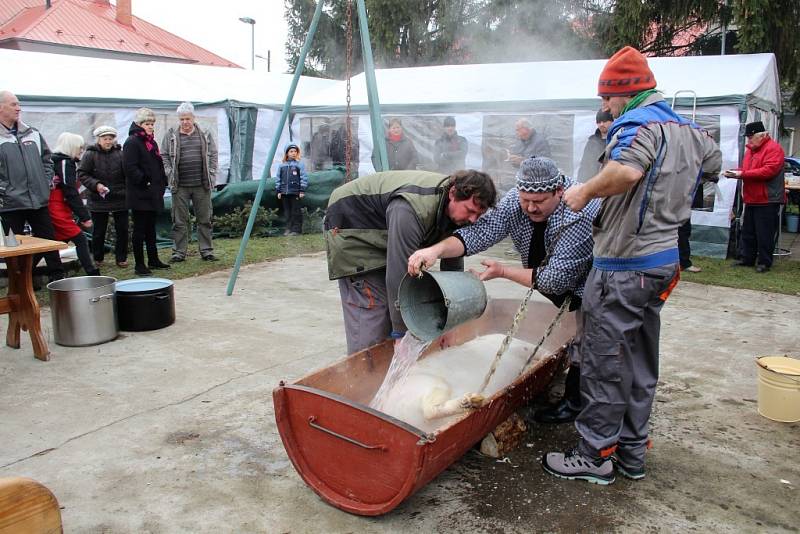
(174,431)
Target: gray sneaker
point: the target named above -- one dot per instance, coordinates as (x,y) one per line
(575,466)
(627,470)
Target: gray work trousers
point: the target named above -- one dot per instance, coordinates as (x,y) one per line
(200,198)
(365,309)
(619,364)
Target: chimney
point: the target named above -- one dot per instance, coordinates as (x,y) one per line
(124,12)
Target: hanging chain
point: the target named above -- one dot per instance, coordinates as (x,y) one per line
(348,146)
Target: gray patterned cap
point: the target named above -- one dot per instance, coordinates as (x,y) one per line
(539,175)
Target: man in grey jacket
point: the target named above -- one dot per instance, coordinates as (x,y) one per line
(654,162)
(190,161)
(26,171)
(595,146)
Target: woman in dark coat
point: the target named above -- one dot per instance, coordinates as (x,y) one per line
(145,183)
(400,149)
(102,174)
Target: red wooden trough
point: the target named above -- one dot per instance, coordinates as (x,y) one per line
(366,462)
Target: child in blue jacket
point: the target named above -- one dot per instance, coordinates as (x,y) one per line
(291,182)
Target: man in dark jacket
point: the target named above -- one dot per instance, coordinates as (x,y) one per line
(595,147)
(26,171)
(372,226)
(450,151)
(763,193)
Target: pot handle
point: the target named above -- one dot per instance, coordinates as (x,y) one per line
(161,296)
(95,300)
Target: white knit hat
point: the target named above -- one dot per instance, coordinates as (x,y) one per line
(105,130)
(539,175)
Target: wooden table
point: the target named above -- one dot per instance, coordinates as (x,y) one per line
(20,303)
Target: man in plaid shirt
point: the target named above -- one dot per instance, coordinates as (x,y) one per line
(554,243)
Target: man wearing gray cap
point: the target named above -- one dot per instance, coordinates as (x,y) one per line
(554,243)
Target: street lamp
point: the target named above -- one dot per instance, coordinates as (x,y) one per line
(252,23)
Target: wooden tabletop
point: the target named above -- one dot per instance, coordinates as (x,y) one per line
(31,245)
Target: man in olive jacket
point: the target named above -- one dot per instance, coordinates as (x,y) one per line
(26,171)
(374,223)
(190,162)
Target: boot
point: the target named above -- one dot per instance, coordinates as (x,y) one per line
(568,408)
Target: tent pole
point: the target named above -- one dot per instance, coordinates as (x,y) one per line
(378,135)
(287,106)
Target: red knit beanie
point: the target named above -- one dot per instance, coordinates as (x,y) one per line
(626,73)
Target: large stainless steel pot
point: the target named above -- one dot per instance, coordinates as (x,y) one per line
(83,310)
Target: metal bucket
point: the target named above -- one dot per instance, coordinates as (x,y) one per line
(83,310)
(779,388)
(439,301)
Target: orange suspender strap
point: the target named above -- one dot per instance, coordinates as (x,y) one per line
(674,282)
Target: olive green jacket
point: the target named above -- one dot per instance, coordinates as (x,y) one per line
(356,230)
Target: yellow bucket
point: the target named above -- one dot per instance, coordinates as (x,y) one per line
(779,388)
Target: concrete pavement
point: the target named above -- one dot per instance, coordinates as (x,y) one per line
(174,431)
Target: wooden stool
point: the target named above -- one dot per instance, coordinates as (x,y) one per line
(27,507)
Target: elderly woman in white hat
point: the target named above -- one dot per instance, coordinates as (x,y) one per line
(101,173)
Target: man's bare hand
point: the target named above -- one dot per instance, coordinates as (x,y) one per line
(494,269)
(575,197)
(422,259)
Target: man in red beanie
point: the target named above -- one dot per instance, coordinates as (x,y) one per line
(653,163)
(763,193)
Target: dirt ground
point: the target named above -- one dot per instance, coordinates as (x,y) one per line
(174,430)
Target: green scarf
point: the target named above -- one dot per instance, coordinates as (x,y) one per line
(638,99)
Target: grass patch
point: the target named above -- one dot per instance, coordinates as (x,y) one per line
(258,249)
(784,277)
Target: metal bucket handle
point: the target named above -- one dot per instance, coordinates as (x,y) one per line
(95,300)
(782,375)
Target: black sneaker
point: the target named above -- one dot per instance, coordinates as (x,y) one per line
(210,257)
(742,264)
(176,259)
(158,265)
(575,466)
(628,471)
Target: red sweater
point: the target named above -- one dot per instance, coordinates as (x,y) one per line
(762,174)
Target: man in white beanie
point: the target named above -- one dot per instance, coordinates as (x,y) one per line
(190,161)
(555,246)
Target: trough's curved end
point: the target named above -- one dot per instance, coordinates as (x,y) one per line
(356,459)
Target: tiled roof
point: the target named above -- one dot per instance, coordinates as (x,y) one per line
(93,24)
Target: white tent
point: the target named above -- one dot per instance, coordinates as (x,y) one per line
(560,97)
(242,107)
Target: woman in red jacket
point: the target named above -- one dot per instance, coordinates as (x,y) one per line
(65,202)
(763,193)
